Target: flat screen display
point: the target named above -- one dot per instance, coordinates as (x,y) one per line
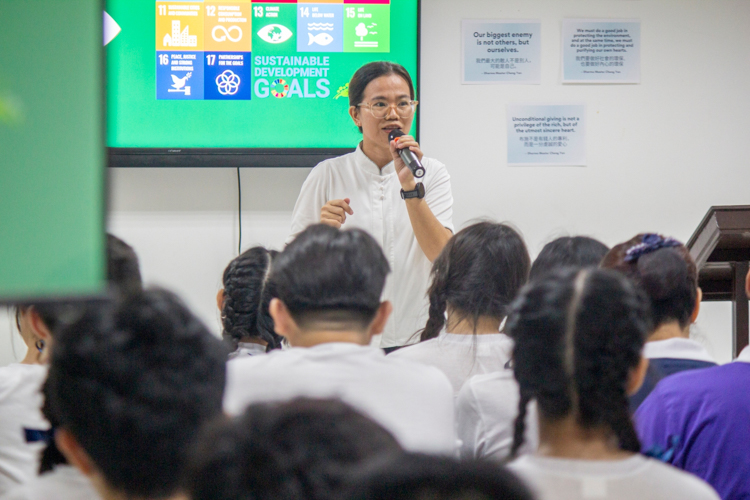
(241,82)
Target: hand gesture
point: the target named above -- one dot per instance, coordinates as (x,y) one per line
(334,212)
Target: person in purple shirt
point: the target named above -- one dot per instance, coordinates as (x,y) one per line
(665,271)
(699,421)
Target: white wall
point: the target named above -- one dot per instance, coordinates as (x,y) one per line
(660,153)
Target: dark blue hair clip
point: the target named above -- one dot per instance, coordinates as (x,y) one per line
(650,243)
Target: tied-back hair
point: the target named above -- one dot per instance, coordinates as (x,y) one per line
(578,334)
(371,71)
(247,295)
(478,273)
(663,268)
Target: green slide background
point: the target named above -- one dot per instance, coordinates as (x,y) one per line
(136,119)
(52,162)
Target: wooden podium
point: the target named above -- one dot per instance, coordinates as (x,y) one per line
(721,249)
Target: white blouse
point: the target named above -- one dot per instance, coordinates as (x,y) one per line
(375,196)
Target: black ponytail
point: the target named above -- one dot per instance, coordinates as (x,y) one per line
(247,295)
(578,335)
(478,273)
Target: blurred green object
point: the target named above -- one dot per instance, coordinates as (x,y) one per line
(52,154)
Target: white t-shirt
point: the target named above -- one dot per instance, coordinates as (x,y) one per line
(378,209)
(64,482)
(20,410)
(461,356)
(486,411)
(414,402)
(634,478)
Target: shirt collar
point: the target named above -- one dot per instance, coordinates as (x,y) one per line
(744,355)
(369,166)
(677,348)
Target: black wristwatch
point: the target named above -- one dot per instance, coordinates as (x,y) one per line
(417,192)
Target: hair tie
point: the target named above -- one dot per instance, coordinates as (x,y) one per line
(650,243)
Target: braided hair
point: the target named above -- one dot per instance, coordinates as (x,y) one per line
(247,295)
(578,334)
(478,273)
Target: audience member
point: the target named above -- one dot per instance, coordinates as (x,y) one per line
(487,404)
(474,279)
(299,450)
(425,477)
(243,302)
(130,383)
(568,251)
(327,285)
(698,421)
(578,339)
(23,428)
(663,268)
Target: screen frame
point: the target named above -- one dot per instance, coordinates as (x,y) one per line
(177,157)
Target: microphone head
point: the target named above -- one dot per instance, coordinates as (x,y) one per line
(396,132)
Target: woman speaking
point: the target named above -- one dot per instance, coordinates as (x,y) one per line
(373,189)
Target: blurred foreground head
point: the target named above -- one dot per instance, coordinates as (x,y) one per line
(427,477)
(130,383)
(298,450)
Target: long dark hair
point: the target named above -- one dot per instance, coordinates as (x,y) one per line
(478,273)
(663,268)
(578,334)
(247,295)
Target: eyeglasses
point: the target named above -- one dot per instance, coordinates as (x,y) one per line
(381,109)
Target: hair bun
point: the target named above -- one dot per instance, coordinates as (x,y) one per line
(650,242)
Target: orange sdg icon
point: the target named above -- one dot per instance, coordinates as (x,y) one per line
(228,26)
(179,26)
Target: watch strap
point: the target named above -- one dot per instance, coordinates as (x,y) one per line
(417,192)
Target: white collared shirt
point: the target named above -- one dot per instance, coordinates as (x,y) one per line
(375,196)
(248,349)
(461,356)
(414,402)
(20,410)
(64,482)
(677,348)
(486,411)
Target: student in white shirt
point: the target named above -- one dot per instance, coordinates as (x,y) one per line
(474,280)
(665,271)
(578,341)
(487,404)
(56,478)
(21,435)
(328,285)
(243,302)
(364,189)
(130,384)
(22,426)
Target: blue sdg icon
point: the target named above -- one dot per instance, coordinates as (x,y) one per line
(227,76)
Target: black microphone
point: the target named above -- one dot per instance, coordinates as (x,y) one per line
(408,155)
